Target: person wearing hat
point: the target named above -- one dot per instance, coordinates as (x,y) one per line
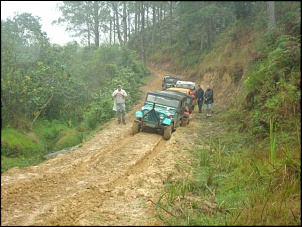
(119,96)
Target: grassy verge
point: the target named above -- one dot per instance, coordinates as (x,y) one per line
(21,149)
(235,181)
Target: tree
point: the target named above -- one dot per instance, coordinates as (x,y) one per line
(242,9)
(34,79)
(24,85)
(83,18)
(171,22)
(143,46)
(124,16)
(115,6)
(153,23)
(271,14)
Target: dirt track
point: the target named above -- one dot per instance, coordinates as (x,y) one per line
(110,180)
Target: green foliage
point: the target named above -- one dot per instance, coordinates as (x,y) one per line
(49,130)
(68,138)
(8,163)
(90,121)
(17,144)
(178,190)
(197,27)
(290,16)
(107,54)
(97,116)
(25,149)
(272,199)
(272,143)
(273,84)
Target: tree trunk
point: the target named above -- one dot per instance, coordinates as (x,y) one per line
(96,23)
(110,32)
(201,41)
(130,28)
(271,14)
(142,32)
(171,23)
(136,19)
(114,29)
(125,23)
(88,35)
(117,26)
(153,23)
(159,21)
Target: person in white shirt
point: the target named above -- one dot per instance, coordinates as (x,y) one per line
(119,96)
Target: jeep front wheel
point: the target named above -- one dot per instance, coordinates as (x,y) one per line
(135,127)
(168,132)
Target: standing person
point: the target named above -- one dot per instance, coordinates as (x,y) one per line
(119,96)
(199,94)
(208,100)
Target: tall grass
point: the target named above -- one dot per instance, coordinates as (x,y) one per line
(235,184)
(272,143)
(21,149)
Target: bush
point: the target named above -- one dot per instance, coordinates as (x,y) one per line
(16,144)
(69,138)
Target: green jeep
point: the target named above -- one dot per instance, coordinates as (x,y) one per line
(162,111)
(169,81)
(190,101)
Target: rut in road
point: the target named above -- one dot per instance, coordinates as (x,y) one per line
(97,168)
(106,181)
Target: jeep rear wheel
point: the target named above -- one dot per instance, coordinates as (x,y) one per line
(187,121)
(168,132)
(184,122)
(135,127)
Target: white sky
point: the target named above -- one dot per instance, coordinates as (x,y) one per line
(46,10)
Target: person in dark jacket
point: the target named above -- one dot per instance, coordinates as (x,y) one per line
(209,100)
(199,94)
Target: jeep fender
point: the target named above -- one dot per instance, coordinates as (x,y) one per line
(139,114)
(167,121)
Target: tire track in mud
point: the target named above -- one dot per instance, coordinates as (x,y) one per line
(100,171)
(139,157)
(99,179)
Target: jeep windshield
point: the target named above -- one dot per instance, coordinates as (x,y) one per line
(166,101)
(188,86)
(171,80)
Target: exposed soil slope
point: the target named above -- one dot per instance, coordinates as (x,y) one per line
(110,180)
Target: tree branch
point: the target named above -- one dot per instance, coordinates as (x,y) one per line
(43,107)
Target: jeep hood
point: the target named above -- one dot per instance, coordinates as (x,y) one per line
(159,108)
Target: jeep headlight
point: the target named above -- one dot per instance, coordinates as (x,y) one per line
(170,115)
(161,116)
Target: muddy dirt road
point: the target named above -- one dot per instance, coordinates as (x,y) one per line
(109,180)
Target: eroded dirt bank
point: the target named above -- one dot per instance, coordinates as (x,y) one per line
(110,180)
